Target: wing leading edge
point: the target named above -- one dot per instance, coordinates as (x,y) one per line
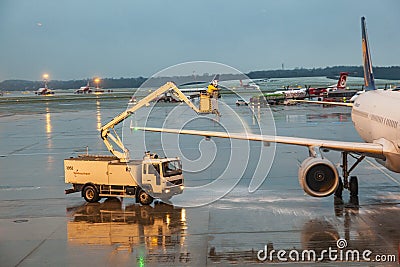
(356,147)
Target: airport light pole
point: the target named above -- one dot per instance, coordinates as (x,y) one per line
(45,79)
(97,82)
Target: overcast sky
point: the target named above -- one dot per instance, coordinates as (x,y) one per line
(75,39)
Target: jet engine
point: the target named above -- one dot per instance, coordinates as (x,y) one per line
(318,177)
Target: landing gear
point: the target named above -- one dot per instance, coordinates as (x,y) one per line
(339,189)
(338,199)
(352,186)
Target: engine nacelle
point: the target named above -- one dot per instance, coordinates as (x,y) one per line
(318,177)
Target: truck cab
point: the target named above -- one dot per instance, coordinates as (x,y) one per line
(162,177)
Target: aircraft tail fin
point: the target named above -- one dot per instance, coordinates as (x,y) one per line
(369,81)
(342,80)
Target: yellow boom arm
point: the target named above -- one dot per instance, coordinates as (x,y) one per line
(123,155)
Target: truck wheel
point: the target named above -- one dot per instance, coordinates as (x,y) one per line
(90,194)
(144,198)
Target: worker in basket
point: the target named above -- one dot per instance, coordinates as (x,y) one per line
(212,89)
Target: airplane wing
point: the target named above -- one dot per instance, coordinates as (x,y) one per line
(323,103)
(371,149)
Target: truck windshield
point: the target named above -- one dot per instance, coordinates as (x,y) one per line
(171,168)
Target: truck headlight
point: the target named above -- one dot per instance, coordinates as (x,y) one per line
(167,191)
(182,187)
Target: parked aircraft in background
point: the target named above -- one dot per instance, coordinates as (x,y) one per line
(85,89)
(250,85)
(44,90)
(307,92)
(320,91)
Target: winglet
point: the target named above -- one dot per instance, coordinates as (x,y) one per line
(369,82)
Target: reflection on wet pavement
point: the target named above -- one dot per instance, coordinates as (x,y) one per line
(150,234)
(370,228)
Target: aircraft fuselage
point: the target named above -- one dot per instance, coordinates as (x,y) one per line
(377,120)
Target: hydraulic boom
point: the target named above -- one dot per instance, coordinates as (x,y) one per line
(106,135)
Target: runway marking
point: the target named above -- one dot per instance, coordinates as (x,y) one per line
(23,148)
(382,171)
(35,248)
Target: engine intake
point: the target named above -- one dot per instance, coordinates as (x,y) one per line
(318,177)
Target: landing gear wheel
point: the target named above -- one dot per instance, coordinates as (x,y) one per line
(353,186)
(90,194)
(339,189)
(144,198)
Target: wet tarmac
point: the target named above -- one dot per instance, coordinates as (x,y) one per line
(40,226)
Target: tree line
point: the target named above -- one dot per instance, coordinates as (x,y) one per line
(390,73)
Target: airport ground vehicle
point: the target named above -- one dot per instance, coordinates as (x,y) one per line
(98,176)
(340,95)
(241,102)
